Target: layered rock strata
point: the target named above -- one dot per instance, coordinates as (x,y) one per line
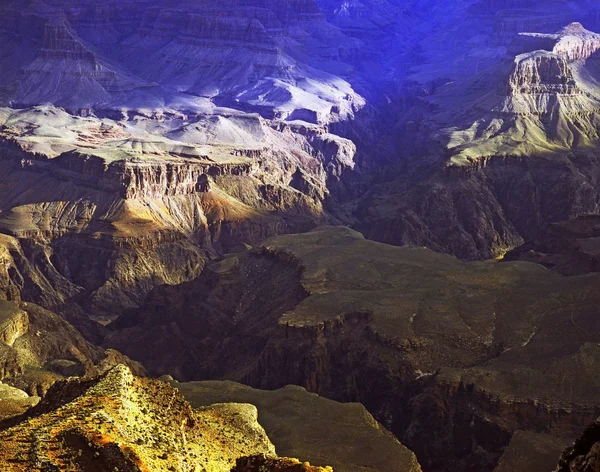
(276,58)
(150,213)
(483,175)
(453,357)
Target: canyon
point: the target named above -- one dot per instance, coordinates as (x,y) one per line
(453,357)
(385,203)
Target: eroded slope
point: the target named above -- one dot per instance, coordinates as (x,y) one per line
(302,424)
(453,357)
(120,422)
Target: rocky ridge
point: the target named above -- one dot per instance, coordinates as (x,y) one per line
(264,44)
(45,348)
(37,346)
(14,402)
(109,197)
(155,168)
(163,163)
(122,422)
(269,46)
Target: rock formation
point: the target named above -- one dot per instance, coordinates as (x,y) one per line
(162,205)
(260,463)
(583,455)
(251,56)
(148,150)
(39,347)
(483,175)
(45,348)
(14,402)
(453,357)
(120,422)
(14,323)
(144,162)
(569,247)
(302,424)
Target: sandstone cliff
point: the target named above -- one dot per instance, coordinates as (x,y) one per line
(482,174)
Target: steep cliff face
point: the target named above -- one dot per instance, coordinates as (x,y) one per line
(478,187)
(296,74)
(584,454)
(541,72)
(193,130)
(67,73)
(569,247)
(484,211)
(39,347)
(453,357)
(151,212)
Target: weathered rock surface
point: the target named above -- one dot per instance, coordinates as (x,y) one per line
(584,454)
(120,422)
(295,63)
(192,130)
(531,452)
(39,347)
(569,247)
(150,213)
(147,170)
(14,322)
(14,402)
(482,175)
(321,431)
(279,58)
(453,357)
(260,463)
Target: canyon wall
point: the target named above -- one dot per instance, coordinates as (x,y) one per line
(453,357)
